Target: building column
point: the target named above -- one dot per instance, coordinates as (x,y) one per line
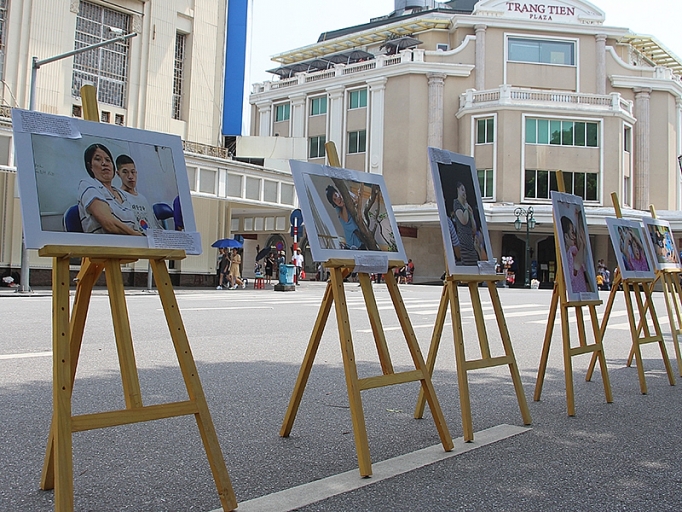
(377,88)
(642,140)
(480,56)
(264,118)
(435,125)
(335,119)
(297,115)
(601,63)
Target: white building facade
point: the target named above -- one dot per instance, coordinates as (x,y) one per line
(527,88)
(169,78)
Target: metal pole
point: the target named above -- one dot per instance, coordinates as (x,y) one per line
(35,65)
(527,283)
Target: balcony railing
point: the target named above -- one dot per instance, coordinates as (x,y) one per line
(304,77)
(507,95)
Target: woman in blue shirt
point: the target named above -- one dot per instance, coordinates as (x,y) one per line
(350,228)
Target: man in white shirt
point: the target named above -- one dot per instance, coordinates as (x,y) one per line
(298,261)
(125,169)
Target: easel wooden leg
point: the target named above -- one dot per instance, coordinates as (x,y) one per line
(657,330)
(671,287)
(351,371)
(124,339)
(375,322)
(418,359)
(460,361)
(602,328)
(546,343)
(193,384)
(308,360)
(635,340)
(86,279)
(598,337)
(433,348)
(61,387)
(509,352)
(568,363)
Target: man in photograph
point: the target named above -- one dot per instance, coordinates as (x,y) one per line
(126,171)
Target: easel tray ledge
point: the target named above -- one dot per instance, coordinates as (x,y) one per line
(86,251)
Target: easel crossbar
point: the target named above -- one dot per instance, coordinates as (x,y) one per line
(588,349)
(85,422)
(381,381)
(477,364)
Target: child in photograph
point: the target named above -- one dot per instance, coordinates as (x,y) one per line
(575,256)
(351,232)
(125,169)
(638,260)
(454,240)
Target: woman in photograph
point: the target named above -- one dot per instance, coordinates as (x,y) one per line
(575,257)
(351,232)
(465,225)
(103,208)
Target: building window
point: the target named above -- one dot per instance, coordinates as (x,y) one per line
(318,106)
(562,133)
(282,112)
(485,131)
(357,141)
(107,67)
(178,74)
(357,99)
(486,183)
(539,184)
(541,51)
(3,30)
(316,147)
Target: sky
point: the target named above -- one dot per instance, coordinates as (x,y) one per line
(282,25)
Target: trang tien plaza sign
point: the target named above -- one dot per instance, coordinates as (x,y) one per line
(540,11)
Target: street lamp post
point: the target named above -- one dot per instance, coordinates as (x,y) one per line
(24,281)
(530,224)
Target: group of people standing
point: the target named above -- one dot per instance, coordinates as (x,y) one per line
(603,276)
(229,273)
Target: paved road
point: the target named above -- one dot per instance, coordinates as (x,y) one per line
(249,344)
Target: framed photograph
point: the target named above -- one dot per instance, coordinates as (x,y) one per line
(629,243)
(460,209)
(96,184)
(574,244)
(346,213)
(661,243)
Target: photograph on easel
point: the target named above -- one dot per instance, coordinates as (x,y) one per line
(574,244)
(345,212)
(97,184)
(661,243)
(629,243)
(460,209)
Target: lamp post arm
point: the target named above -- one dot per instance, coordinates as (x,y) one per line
(35,66)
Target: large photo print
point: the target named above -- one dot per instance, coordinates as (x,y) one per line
(460,209)
(85,183)
(345,212)
(661,243)
(630,245)
(574,244)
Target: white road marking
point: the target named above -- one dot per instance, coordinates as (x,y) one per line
(313,492)
(26,355)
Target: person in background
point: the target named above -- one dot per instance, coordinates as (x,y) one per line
(269,267)
(298,261)
(126,171)
(235,274)
(223,267)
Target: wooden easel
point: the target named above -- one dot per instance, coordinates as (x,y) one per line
(672,292)
(450,296)
(67,336)
(335,294)
(560,299)
(645,306)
